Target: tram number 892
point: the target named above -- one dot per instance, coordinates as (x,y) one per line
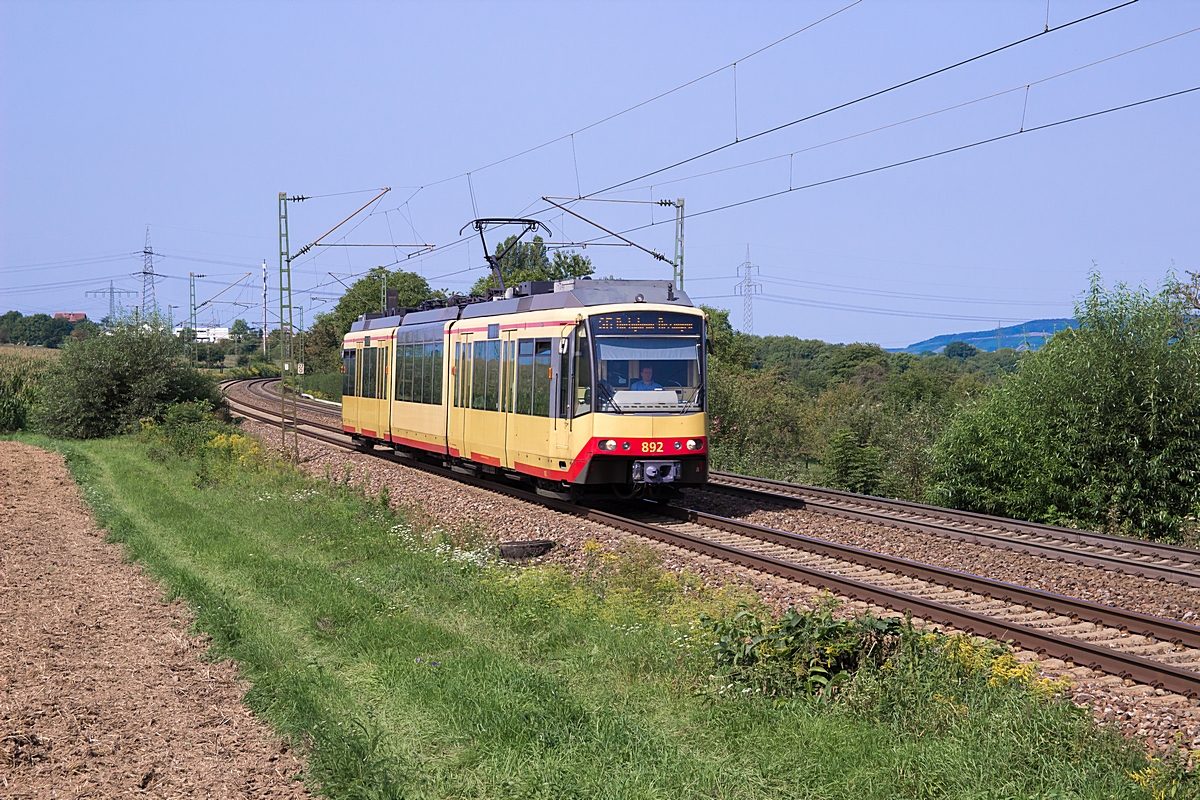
(653,447)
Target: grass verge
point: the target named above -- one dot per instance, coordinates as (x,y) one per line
(409,665)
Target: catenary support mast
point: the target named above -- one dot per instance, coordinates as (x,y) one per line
(287,387)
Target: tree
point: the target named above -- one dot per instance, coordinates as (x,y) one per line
(530,261)
(960,350)
(1097,428)
(323,344)
(239,329)
(853,465)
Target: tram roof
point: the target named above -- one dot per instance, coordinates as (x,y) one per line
(572,293)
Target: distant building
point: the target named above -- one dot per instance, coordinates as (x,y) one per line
(71,316)
(207,335)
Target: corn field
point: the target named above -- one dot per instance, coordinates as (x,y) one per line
(21,369)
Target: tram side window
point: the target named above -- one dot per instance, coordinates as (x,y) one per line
(414,373)
(418,376)
(401,360)
(426,395)
(524,377)
(492,389)
(383,372)
(541,378)
(458,374)
(349,362)
(508,386)
(369,373)
(435,395)
(463,375)
(479,375)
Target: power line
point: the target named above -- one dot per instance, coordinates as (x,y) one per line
(863,98)
(77,262)
(112,293)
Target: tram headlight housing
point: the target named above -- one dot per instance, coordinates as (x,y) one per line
(694,444)
(608,444)
(624,445)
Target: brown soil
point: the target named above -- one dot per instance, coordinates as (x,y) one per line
(102,691)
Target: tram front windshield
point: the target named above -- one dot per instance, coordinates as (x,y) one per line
(648,374)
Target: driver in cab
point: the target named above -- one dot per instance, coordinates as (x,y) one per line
(646,384)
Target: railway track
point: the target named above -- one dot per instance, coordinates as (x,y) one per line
(1118,553)
(1146,649)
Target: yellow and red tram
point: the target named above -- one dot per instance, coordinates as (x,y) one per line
(569,385)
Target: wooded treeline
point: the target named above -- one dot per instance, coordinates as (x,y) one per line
(41,330)
(1096,430)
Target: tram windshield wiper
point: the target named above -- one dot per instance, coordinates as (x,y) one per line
(612,400)
(695,403)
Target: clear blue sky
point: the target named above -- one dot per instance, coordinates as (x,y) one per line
(192,117)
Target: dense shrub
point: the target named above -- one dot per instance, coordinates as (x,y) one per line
(106,384)
(1098,428)
(803,652)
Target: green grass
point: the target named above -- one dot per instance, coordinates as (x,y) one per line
(407,669)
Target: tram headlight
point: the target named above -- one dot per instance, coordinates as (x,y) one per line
(608,444)
(624,445)
(694,444)
(678,445)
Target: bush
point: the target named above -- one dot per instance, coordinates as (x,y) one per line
(1098,428)
(806,653)
(106,384)
(255,369)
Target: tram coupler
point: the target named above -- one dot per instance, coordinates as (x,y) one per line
(656,471)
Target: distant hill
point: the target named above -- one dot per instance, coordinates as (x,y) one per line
(1026,336)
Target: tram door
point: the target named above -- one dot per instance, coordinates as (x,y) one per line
(460,398)
(560,383)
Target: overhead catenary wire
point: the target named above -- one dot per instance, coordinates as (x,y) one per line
(834,306)
(646,102)
(917,159)
(948,151)
(917,118)
(865,97)
(833,287)
(784,125)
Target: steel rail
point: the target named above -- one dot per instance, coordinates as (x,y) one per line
(1132,621)
(1185,575)
(1093,538)
(1099,657)
(1115,662)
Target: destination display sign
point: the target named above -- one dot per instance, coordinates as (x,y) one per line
(647,323)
